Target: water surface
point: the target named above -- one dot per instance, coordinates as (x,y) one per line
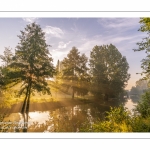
(63,119)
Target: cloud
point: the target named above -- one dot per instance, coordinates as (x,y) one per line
(74,28)
(118,22)
(63,45)
(30,20)
(122,42)
(58,55)
(53,32)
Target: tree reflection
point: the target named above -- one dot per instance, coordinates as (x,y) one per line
(25,121)
(134,98)
(69,119)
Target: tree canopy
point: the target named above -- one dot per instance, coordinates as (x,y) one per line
(144,45)
(32,63)
(109,71)
(75,72)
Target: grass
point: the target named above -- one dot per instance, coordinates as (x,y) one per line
(57,95)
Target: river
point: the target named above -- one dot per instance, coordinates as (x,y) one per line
(64,119)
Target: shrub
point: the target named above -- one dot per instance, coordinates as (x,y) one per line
(143,106)
(118,119)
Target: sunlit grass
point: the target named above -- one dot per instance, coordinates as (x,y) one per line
(10,96)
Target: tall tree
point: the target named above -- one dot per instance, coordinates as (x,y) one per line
(145,45)
(32,63)
(109,71)
(75,72)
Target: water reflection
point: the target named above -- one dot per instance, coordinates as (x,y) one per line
(64,119)
(130,105)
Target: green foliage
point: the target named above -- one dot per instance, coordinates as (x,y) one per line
(32,63)
(109,71)
(145,24)
(75,72)
(145,45)
(117,120)
(7,57)
(140,124)
(143,106)
(120,120)
(1,78)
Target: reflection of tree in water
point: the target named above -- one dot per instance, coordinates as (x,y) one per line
(61,120)
(25,121)
(135,98)
(123,100)
(20,126)
(69,119)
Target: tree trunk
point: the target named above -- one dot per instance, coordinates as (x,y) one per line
(72,93)
(25,101)
(25,123)
(28,101)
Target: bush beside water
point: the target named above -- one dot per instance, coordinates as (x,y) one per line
(119,119)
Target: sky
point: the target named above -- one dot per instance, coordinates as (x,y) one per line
(83,33)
